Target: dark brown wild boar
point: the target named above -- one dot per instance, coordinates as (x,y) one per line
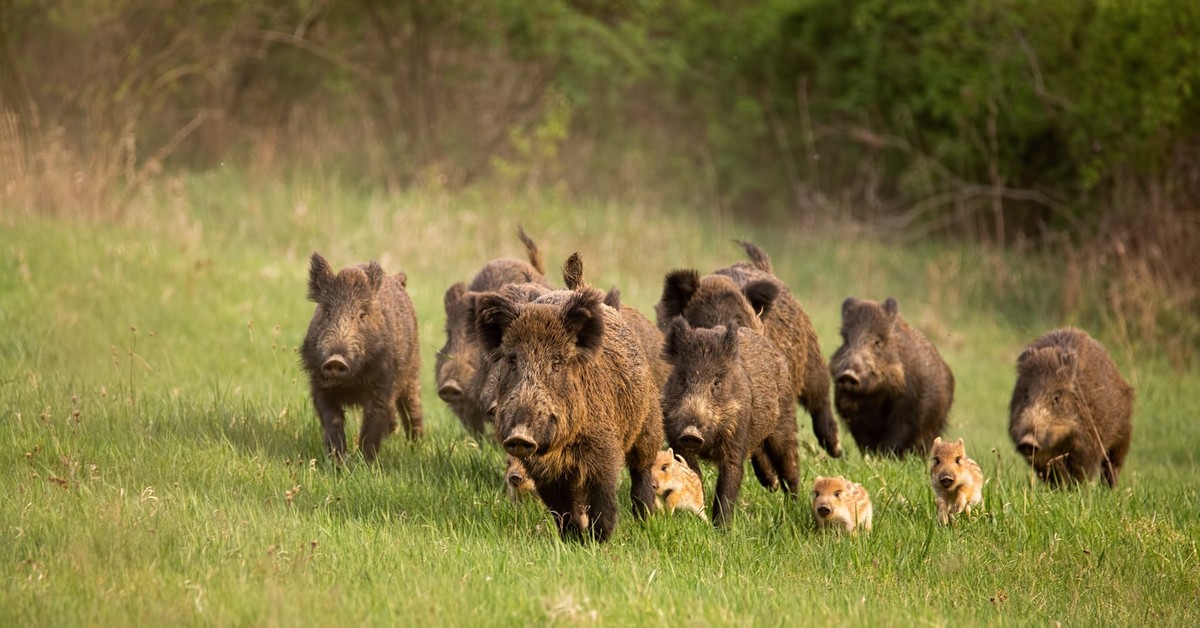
(729,397)
(1071,411)
(459,358)
(892,387)
(361,349)
(749,294)
(575,400)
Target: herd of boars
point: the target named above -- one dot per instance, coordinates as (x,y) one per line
(574,384)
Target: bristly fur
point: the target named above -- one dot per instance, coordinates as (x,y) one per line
(957,480)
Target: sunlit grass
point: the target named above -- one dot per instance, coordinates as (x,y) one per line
(163,464)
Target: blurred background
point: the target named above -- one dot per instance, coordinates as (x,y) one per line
(1062,128)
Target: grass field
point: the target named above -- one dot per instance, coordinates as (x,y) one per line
(163,465)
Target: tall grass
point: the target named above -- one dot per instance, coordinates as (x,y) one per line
(164,465)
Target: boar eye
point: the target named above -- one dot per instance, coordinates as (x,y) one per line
(716,383)
(556,364)
(511,359)
(664,468)
(879,343)
(936,462)
(816,494)
(958,460)
(837,493)
(1057,398)
(362,314)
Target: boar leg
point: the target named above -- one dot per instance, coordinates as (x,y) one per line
(333,421)
(899,434)
(764,470)
(640,460)
(379,419)
(408,402)
(602,506)
(781,449)
(1113,462)
(729,483)
(815,399)
(563,502)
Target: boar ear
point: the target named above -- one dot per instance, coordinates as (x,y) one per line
(1025,355)
(729,341)
(583,317)
(678,458)
(678,288)
(761,294)
(454,296)
(960,441)
(573,273)
(891,307)
(375,276)
(848,305)
(319,275)
(671,344)
(493,315)
(612,298)
(819,478)
(937,441)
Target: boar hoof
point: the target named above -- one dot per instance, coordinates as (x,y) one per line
(335,366)
(450,391)
(691,438)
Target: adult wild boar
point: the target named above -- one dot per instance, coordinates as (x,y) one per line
(1071,411)
(460,357)
(575,400)
(729,397)
(361,349)
(749,294)
(892,387)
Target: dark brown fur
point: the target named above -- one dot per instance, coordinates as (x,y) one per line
(361,349)
(1071,411)
(649,336)
(749,294)
(459,359)
(892,387)
(575,399)
(731,389)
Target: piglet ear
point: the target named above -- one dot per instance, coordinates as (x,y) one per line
(761,294)
(960,441)
(937,441)
(493,315)
(583,316)
(680,460)
(891,307)
(573,273)
(678,288)
(375,276)
(320,273)
(673,343)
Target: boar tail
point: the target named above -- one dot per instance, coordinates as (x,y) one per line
(758,257)
(535,256)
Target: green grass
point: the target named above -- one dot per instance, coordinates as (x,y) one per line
(190,487)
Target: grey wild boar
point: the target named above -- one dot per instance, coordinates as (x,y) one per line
(729,398)
(361,349)
(574,400)
(1071,411)
(459,359)
(892,387)
(749,294)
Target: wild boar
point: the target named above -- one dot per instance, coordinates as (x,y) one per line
(892,387)
(956,479)
(839,504)
(361,349)
(574,400)
(1071,411)
(729,398)
(749,294)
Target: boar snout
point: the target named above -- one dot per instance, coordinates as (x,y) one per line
(450,391)
(691,438)
(849,379)
(1028,445)
(823,511)
(520,443)
(335,366)
(946,480)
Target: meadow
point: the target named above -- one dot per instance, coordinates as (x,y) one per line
(164,466)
